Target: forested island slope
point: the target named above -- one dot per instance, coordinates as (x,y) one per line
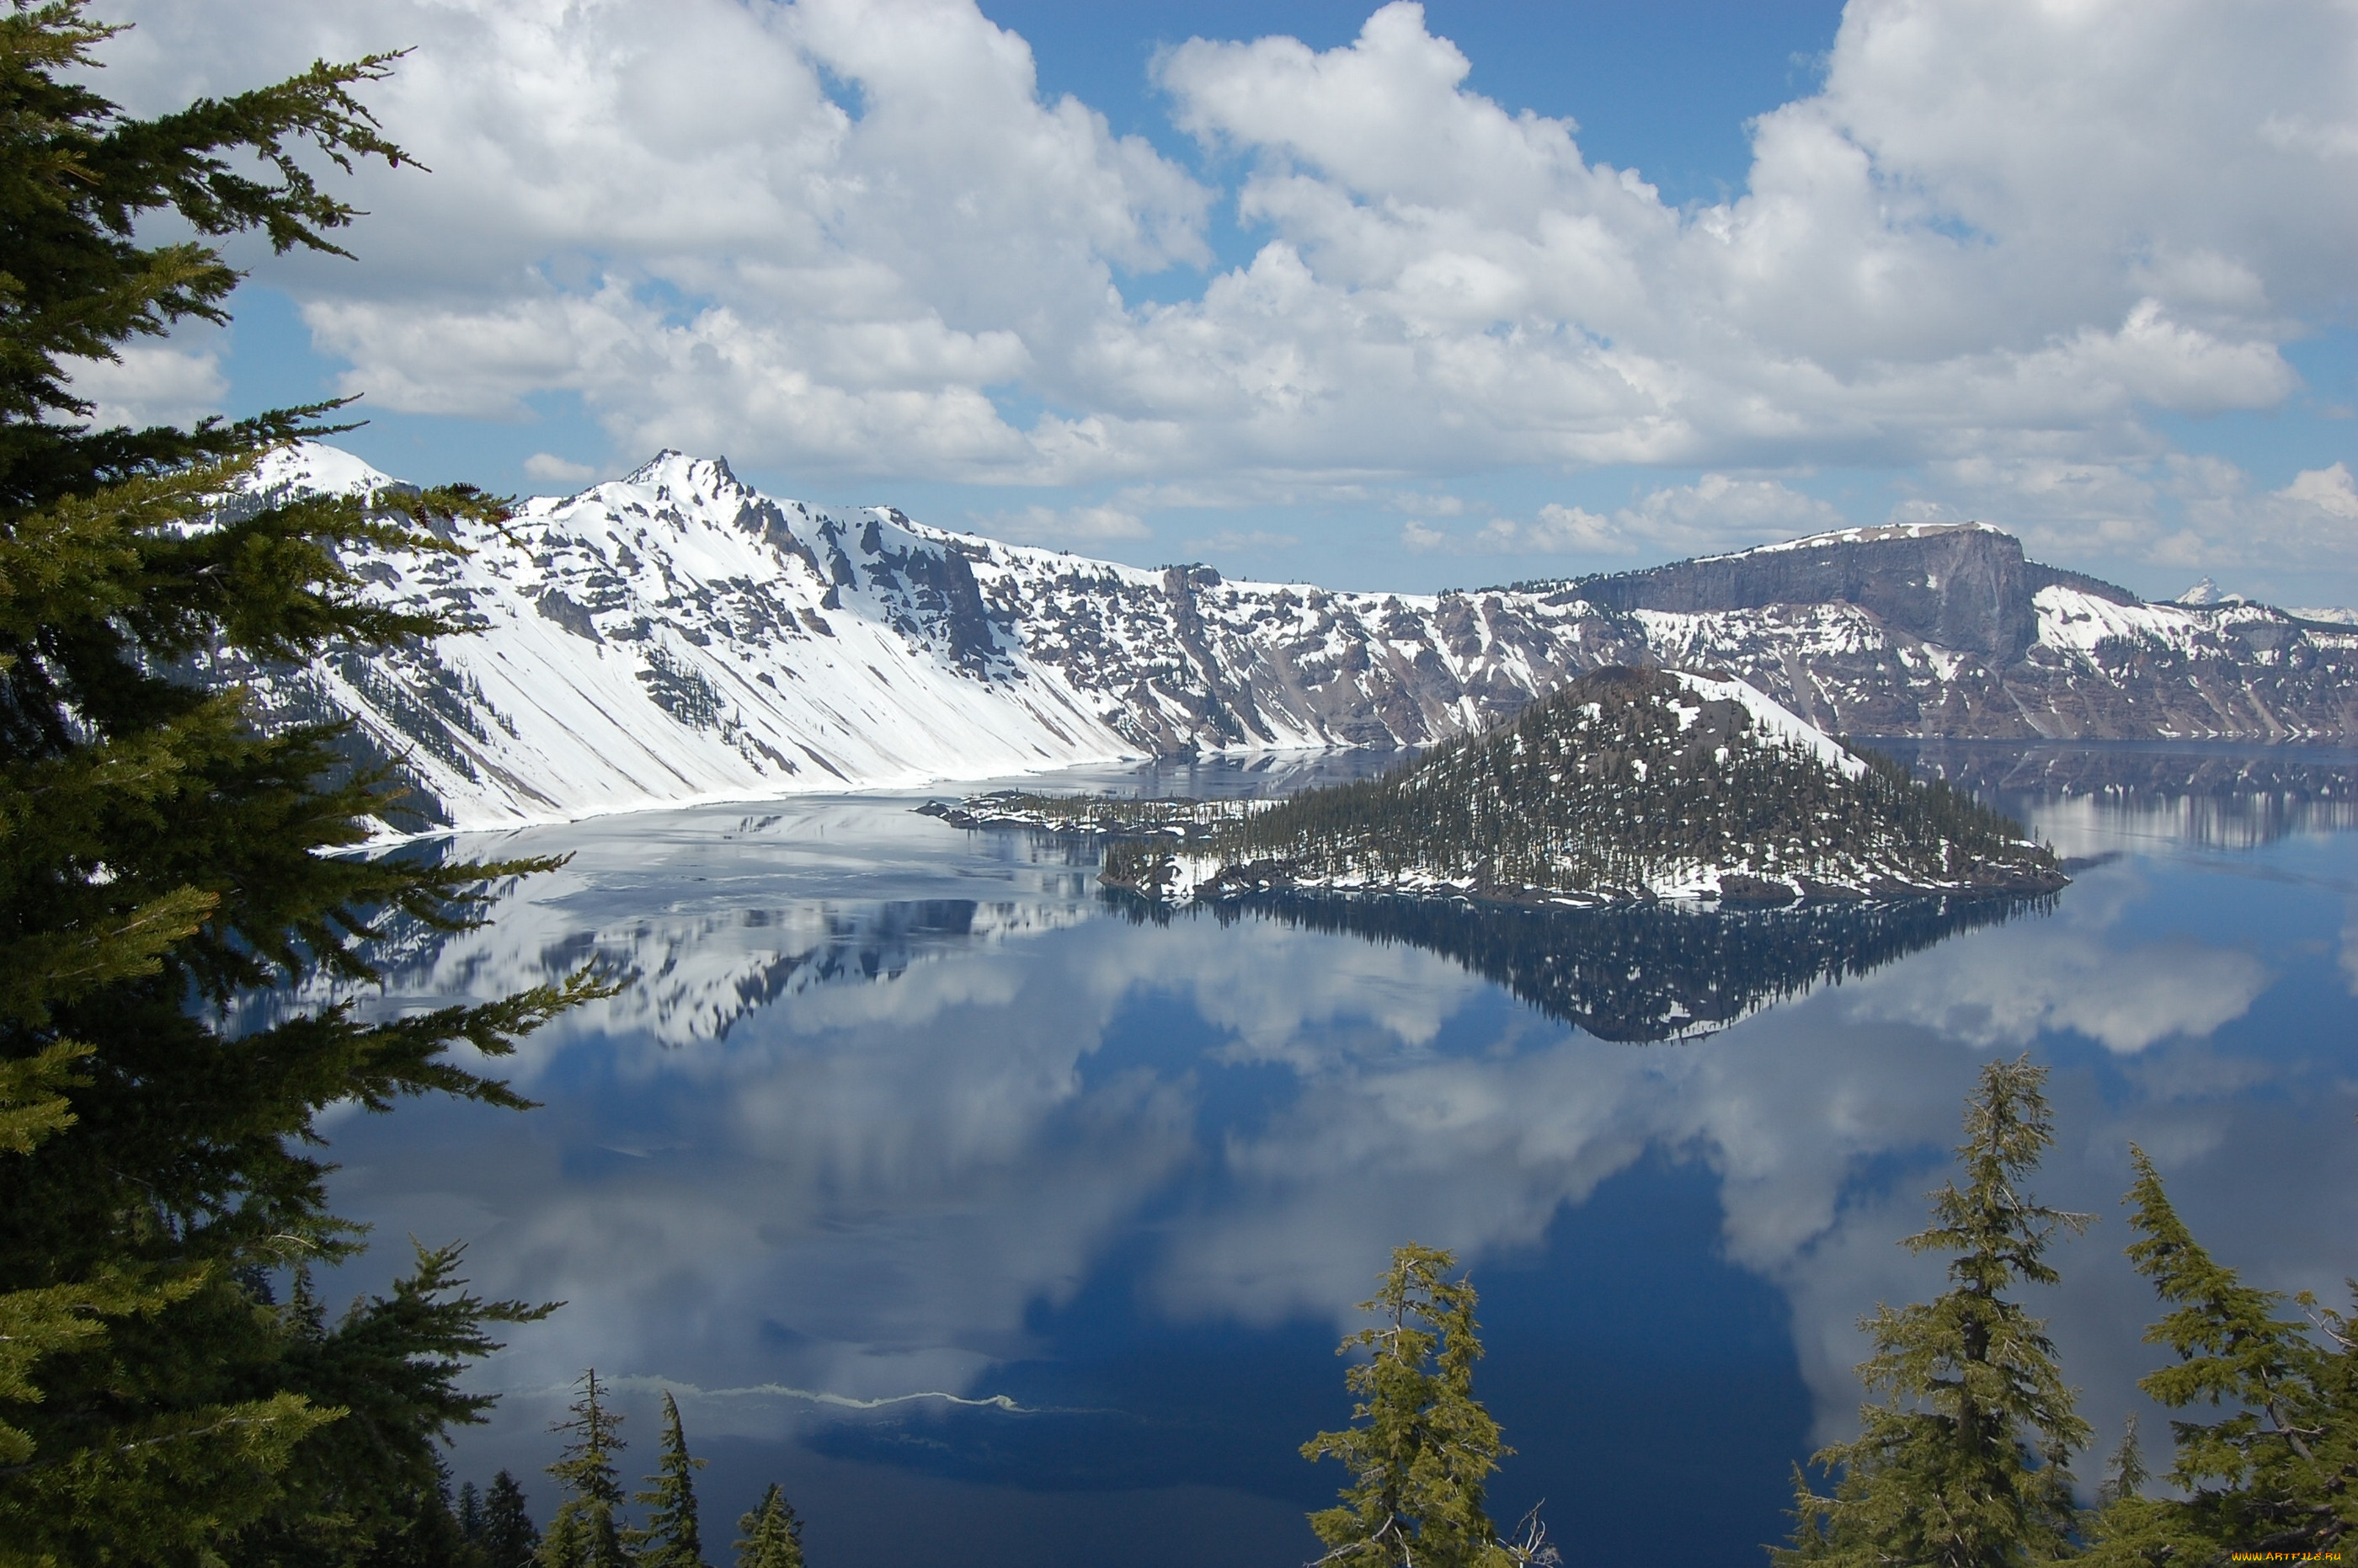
(1626,784)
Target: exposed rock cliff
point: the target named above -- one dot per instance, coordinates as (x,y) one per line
(1945,630)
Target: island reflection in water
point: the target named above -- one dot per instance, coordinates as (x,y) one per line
(1004,1228)
(1637,972)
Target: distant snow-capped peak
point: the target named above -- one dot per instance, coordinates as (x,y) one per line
(314,468)
(2207,592)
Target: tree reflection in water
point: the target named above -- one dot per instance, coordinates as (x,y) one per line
(1635,972)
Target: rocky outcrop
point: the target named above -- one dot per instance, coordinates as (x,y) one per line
(1963,586)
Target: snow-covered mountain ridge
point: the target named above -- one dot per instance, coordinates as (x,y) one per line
(675,636)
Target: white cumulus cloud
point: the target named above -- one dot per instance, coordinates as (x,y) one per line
(855,237)
(2329,491)
(555,469)
(1714,512)
(150,384)
(1065,525)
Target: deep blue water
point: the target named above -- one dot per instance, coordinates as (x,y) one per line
(1003,1227)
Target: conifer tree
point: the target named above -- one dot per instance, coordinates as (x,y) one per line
(771,1536)
(1423,1444)
(470,1511)
(159,855)
(427,1534)
(1964,1464)
(2274,1470)
(586,1531)
(509,1538)
(2126,1476)
(673,1537)
(389,1363)
(567,1543)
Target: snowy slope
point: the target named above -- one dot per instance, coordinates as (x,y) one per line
(1777,723)
(1876,533)
(1946,630)
(671,637)
(674,637)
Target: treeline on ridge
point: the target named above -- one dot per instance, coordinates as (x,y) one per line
(494,1529)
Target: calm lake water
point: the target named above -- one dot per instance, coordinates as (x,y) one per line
(1003,1226)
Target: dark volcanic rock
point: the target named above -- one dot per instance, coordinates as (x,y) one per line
(1965,587)
(1919,631)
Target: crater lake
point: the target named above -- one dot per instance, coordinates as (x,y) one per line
(1005,1222)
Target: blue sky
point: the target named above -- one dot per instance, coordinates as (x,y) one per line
(1407,298)
(1664,87)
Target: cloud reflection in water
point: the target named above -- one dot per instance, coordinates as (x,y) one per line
(977,1136)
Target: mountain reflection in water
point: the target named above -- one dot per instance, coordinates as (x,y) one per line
(897,1115)
(2228,796)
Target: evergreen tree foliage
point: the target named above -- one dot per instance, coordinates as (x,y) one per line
(567,1543)
(1422,1445)
(427,1533)
(509,1538)
(2126,1475)
(76,282)
(2273,1469)
(769,1536)
(159,857)
(1965,1462)
(586,1531)
(672,1536)
(391,1362)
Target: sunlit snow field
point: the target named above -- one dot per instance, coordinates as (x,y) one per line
(1005,1228)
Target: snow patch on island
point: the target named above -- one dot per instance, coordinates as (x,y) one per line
(1770,719)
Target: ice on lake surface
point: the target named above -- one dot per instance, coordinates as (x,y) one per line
(1003,1226)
